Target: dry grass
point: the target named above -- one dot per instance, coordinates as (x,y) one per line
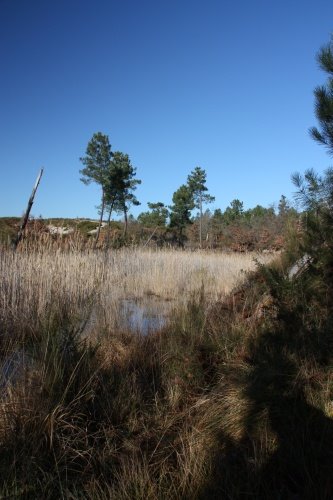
(220,403)
(32,283)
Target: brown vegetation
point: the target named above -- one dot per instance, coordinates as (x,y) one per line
(231,399)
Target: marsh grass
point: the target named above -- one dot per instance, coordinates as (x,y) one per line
(231,399)
(35,284)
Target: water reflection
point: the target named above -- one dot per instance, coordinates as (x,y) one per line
(144,316)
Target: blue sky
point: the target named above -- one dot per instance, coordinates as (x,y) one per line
(226,85)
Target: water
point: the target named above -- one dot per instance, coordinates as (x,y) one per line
(12,368)
(135,315)
(144,316)
(138,316)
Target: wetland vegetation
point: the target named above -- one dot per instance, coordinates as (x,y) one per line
(230,397)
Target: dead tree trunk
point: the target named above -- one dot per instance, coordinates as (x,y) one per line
(150,237)
(25,217)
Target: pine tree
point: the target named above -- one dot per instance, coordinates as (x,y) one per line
(324,100)
(120,186)
(114,173)
(197,184)
(157,217)
(180,215)
(315,192)
(97,164)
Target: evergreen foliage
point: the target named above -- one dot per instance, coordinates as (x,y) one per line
(97,163)
(97,160)
(197,184)
(315,191)
(180,214)
(157,217)
(119,190)
(324,100)
(114,173)
(234,212)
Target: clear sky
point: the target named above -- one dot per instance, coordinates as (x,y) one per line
(226,85)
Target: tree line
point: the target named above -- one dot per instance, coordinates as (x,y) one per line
(116,176)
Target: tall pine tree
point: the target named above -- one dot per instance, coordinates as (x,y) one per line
(324,100)
(197,184)
(97,164)
(315,191)
(180,214)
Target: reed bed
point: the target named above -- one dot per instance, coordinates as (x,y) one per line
(33,282)
(230,399)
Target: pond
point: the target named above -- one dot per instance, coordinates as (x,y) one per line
(141,316)
(144,316)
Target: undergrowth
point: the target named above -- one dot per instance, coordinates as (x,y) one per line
(232,399)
